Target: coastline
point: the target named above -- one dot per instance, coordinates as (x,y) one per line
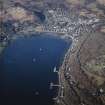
(64,68)
(74,77)
(62,82)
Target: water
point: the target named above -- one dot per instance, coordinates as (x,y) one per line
(26,70)
(40,15)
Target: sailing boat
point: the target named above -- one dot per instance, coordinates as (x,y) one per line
(34,60)
(40,49)
(55,69)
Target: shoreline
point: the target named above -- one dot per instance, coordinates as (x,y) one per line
(61,77)
(62,81)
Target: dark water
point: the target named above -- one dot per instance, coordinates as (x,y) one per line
(24,80)
(40,15)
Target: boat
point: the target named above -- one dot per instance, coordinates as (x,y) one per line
(55,69)
(34,60)
(40,49)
